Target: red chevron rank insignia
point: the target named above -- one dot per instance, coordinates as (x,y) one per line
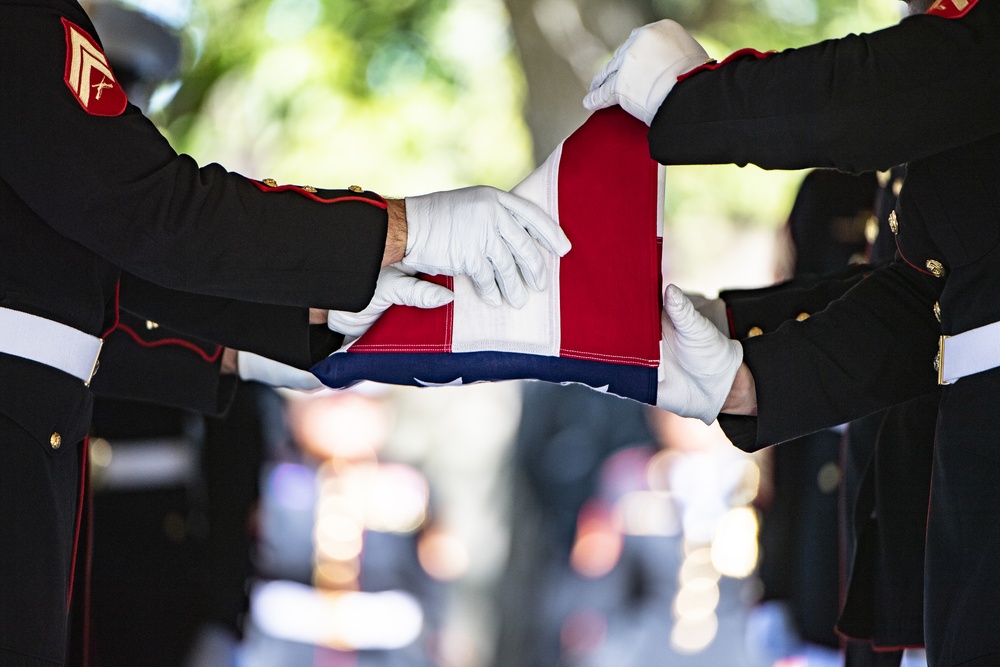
(951,9)
(88,74)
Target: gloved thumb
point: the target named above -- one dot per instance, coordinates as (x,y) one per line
(410,291)
(681,311)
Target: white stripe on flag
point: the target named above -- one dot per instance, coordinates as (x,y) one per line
(535,328)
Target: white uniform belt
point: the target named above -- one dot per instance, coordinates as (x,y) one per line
(50,343)
(973,351)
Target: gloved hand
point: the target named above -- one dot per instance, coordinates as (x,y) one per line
(697,362)
(644,69)
(485,233)
(255,368)
(714,310)
(394,286)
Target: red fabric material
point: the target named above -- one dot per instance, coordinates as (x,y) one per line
(610,143)
(410,329)
(88,74)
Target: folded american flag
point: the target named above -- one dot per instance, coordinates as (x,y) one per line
(597,322)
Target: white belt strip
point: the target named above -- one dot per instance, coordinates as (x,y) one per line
(50,343)
(974,351)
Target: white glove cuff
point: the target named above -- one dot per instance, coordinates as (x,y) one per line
(720,387)
(666,81)
(419,211)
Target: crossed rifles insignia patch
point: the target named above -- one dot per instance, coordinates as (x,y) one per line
(951,9)
(88,74)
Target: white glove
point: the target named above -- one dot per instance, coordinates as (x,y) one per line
(712,309)
(255,368)
(394,287)
(697,362)
(484,233)
(644,69)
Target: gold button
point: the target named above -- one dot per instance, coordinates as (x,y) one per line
(897,186)
(871,229)
(883,177)
(936,268)
(308,188)
(937,311)
(55,440)
(270,182)
(755,331)
(893,223)
(356,188)
(802,317)
(150,325)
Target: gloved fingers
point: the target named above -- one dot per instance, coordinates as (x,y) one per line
(484,280)
(681,311)
(407,290)
(255,368)
(610,68)
(537,222)
(525,251)
(613,65)
(505,271)
(601,98)
(354,324)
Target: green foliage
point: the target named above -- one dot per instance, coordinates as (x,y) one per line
(398,96)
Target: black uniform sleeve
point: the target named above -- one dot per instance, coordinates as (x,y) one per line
(114,185)
(857,103)
(277,332)
(141,361)
(872,349)
(766,308)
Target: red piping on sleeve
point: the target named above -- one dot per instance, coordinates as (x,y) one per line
(713,65)
(911,264)
(379,203)
(210,358)
(118,326)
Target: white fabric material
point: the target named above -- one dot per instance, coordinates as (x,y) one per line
(974,351)
(484,233)
(534,328)
(255,368)
(50,343)
(698,362)
(395,286)
(644,69)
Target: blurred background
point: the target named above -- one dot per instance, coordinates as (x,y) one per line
(514,524)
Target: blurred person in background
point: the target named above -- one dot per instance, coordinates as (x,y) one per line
(858,103)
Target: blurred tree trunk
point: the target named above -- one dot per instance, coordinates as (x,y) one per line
(562,44)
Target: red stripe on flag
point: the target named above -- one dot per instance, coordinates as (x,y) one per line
(410,329)
(608,284)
